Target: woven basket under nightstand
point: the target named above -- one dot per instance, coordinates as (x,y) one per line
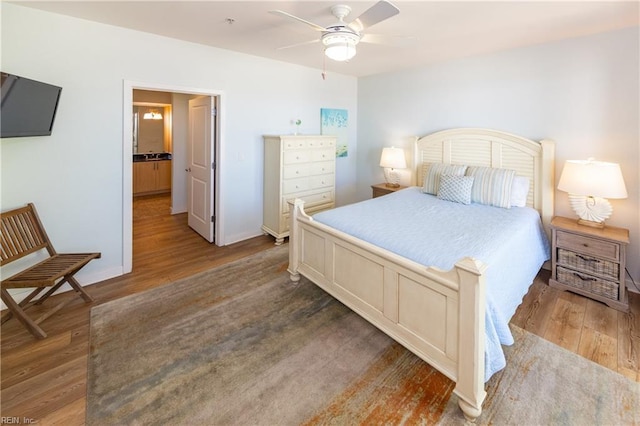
(587,283)
(589,264)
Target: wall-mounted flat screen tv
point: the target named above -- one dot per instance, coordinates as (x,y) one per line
(28,107)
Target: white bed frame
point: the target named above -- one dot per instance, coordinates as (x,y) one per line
(438,315)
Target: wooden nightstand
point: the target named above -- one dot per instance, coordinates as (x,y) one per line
(589,261)
(381,189)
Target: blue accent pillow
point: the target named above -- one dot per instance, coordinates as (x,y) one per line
(455,188)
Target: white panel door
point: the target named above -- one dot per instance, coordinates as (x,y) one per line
(200,152)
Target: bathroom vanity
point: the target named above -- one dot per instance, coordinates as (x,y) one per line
(151,173)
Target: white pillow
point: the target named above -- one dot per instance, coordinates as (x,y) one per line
(455,188)
(433,173)
(491,186)
(519,191)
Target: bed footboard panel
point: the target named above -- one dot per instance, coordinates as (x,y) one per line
(438,315)
(419,312)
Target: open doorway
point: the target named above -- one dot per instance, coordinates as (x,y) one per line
(152,146)
(178,151)
(152,164)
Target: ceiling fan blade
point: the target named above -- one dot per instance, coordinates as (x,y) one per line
(304,43)
(290,16)
(376,13)
(388,40)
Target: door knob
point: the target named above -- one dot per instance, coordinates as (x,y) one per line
(187,170)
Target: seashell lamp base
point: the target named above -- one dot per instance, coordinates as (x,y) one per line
(592,211)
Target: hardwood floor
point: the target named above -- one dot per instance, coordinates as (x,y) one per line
(591,329)
(46,380)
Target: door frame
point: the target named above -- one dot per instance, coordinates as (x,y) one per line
(127,160)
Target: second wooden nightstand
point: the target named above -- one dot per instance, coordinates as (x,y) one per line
(381,189)
(590,261)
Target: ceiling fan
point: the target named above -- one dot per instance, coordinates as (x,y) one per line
(340,39)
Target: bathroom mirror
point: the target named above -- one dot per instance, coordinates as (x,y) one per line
(151,128)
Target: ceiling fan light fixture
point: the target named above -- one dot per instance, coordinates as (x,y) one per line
(340,46)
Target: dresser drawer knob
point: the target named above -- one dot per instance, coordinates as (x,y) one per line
(585,245)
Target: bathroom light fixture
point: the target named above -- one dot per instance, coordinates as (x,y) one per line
(392,158)
(152,115)
(588,184)
(340,45)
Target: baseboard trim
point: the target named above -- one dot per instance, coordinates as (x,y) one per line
(630,287)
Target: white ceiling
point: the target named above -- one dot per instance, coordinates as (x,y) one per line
(440,31)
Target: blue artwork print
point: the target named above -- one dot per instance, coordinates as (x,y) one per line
(335,122)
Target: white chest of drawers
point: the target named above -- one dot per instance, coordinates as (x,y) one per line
(296,166)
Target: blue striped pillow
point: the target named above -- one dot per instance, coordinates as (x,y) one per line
(433,173)
(491,186)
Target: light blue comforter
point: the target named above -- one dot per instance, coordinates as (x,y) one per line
(433,232)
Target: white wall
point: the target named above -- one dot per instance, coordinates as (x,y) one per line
(583,93)
(75,176)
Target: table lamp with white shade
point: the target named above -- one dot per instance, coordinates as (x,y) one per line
(589,184)
(392,159)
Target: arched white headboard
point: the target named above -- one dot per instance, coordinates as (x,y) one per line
(492,148)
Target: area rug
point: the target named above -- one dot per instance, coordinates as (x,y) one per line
(242,345)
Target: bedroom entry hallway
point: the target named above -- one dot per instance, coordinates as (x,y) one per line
(186,166)
(46,380)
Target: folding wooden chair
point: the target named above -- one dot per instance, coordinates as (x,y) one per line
(22,233)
